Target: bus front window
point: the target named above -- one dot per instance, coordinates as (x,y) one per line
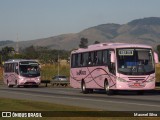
(135,61)
(29,70)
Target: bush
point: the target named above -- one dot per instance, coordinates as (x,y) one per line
(48,71)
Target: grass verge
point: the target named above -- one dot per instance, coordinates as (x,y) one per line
(26,105)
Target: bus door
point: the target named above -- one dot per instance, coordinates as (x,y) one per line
(112,68)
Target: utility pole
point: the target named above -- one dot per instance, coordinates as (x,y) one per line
(58,62)
(17,45)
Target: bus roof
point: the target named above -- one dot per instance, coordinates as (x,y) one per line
(18,60)
(110,46)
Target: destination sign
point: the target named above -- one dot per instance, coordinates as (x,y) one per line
(125,52)
(28,63)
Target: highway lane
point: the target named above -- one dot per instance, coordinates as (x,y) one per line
(124,101)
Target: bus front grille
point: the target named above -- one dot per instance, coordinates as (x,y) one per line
(30,83)
(136,78)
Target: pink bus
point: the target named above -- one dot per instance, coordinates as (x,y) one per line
(113,66)
(21,72)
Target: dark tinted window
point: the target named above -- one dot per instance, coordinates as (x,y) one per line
(73,62)
(105,57)
(93,58)
(85,59)
(99,58)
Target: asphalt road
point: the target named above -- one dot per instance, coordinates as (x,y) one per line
(123,101)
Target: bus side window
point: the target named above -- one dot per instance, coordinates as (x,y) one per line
(94,57)
(6,67)
(12,67)
(79,60)
(89,59)
(16,68)
(105,57)
(74,61)
(9,66)
(85,59)
(99,58)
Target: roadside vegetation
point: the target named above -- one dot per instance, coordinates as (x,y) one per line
(43,54)
(50,70)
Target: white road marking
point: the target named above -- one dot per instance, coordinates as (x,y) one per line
(114,102)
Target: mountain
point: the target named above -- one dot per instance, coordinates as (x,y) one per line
(5,42)
(143,31)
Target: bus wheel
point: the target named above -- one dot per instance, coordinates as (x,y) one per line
(83,88)
(9,85)
(16,84)
(106,88)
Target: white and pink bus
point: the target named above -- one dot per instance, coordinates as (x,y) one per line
(113,66)
(20,72)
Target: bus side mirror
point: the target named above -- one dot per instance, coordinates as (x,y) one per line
(156,57)
(112,57)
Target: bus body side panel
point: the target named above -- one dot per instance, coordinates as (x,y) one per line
(10,78)
(75,79)
(93,77)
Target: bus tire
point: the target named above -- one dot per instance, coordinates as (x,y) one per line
(16,84)
(106,88)
(10,86)
(83,88)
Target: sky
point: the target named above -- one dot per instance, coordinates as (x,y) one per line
(34,19)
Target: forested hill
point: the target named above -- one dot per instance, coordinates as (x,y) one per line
(5,42)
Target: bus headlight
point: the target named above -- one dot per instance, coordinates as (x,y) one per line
(121,80)
(21,78)
(38,80)
(151,80)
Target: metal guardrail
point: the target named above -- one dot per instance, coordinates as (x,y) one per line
(157,84)
(46,82)
(60,83)
(55,83)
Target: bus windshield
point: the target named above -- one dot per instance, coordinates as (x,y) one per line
(135,61)
(29,69)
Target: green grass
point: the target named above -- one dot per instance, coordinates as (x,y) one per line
(26,105)
(7,104)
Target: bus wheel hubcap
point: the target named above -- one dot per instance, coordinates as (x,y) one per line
(83,87)
(106,87)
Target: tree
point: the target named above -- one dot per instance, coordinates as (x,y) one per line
(7,50)
(7,53)
(96,42)
(31,52)
(83,43)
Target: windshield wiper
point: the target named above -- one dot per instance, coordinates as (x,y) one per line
(139,70)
